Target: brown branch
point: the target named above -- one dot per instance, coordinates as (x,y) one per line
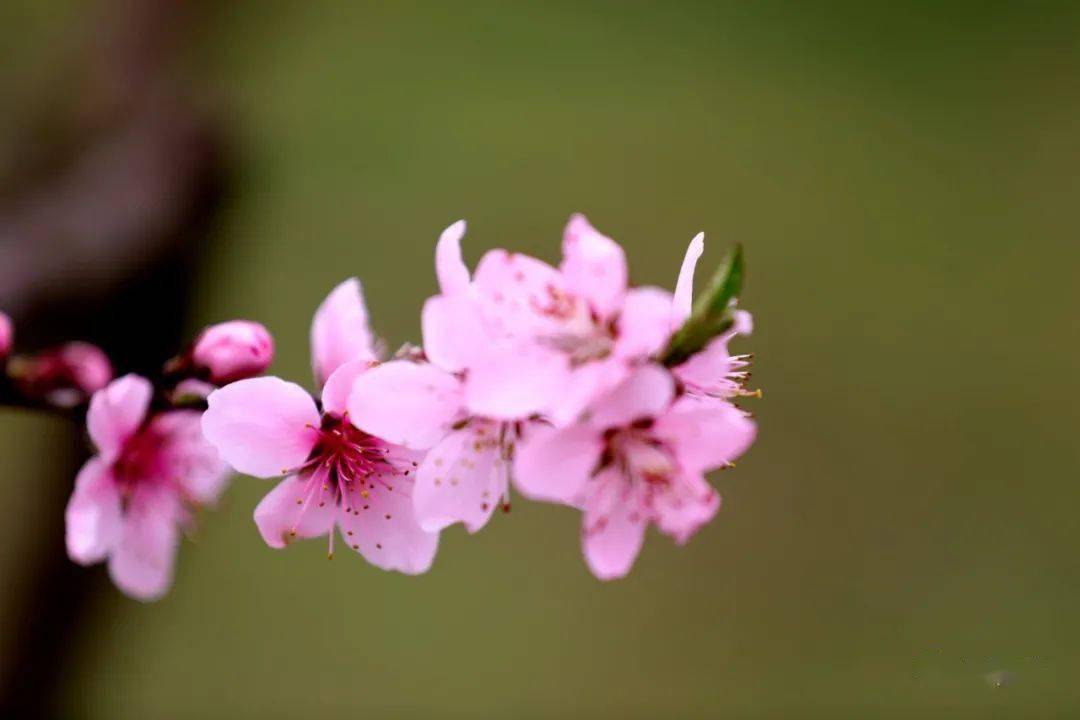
(103,249)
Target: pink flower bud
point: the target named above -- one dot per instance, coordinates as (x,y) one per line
(233,351)
(65,376)
(7,335)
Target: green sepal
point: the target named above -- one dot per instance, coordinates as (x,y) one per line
(712,311)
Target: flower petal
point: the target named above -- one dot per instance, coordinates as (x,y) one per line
(116,412)
(555,464)
(513,290)
(340,331)
(594,266)
(406,403)
(453,334)
(514,379)
(188,457)
(645,394)
(142,562)
(613,529)
(339,386)
(297,507)
(462,479)
(449,267)
(92,518)
(582,386)
(383,527)
(262,426)
(684,289)
(706,433)
(689,503)
(644,323)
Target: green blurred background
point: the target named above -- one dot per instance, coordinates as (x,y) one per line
(904,178)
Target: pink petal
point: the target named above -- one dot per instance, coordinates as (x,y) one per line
(644,323)
(339,386)
(116,412)
(613,528)
(295,508)
(383,528)
(594,266)
(556,464)
(189,457)
(645,394)
(706,433)
(743,323)
(340,331)
(513,290)
(262,426)
(583,385)
(449,267)
(453,333)
(689,503)
(92,517)
(141,564)
(496,384)
(684,288)
(462,479)
(406,403)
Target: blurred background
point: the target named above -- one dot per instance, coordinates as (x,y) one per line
(900,542)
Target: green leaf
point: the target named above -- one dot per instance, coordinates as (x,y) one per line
(712,311)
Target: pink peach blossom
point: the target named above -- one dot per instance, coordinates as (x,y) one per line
(536,339)
(713,372)
(421,405)
(131,499)
(638,457)
(335,474)
(233,350)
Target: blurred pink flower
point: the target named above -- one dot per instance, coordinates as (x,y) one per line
(421,405)
(65,376)
(573,332)
(713,372)
(7,335)
(638,457)
(336,474)
(132,497)
(233,350)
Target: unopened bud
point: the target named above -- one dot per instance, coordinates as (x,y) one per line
(7,335)
(233,351)
(65,376)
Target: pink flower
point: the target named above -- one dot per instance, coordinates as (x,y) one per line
(713,372)
(572,332)
(65,376)
(7,335)
(234,350)
(336,474)
(132,497)
(638,457)
(422,406)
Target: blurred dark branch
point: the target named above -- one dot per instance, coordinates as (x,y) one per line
(99,238)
